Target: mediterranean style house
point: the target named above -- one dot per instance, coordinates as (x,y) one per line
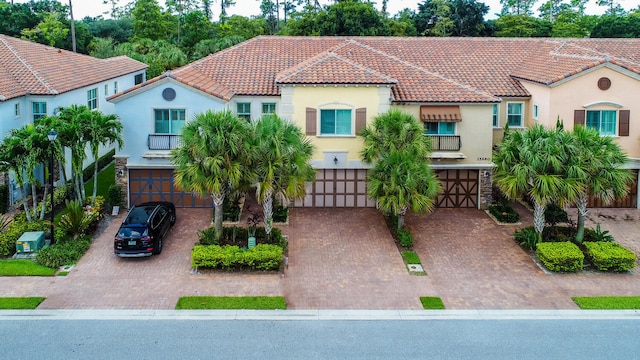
(464,90)
(36,80)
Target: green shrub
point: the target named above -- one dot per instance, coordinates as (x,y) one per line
(527,237)
(280,213)
(77,219)
(114,195)
(504,213)
(236,234)
(411,257)
(558,233)
(609,256)
(66,251)
(261,257)
(554,214)
(405,237)
(15,230)
(4,198)
(598,235)
(560,256)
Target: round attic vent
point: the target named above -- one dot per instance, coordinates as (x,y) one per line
(604,83)
(168,94)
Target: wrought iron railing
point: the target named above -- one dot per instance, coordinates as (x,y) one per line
(445,142)
(163,141)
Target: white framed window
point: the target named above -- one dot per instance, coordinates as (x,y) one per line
(604,121)
(92,98)
(16,110)
(137,79)
(535,112)
(515,111)
(169,121)
(38,110)
(243,110)
(439,128)
(336,122)
(115,87)
(496,119)
(268,108)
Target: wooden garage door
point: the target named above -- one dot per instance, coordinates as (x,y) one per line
(630,201)
(459,188)
(337,188)
(157,185)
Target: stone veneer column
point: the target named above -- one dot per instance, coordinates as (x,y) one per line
(122,178)
(486,188)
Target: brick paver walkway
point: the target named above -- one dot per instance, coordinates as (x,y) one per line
(344,259)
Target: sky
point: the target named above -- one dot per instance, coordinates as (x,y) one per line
(93,8)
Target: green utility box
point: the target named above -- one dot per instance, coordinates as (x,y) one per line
(30,242)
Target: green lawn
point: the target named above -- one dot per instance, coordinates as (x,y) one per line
(20,303)
(231,302)
(431,303)
(24,268)
(411,257)
(608,302)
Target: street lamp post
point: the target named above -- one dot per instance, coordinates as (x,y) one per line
(52,135)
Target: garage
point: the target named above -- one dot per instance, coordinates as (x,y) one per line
(157,185)
(459,188)
(337,188)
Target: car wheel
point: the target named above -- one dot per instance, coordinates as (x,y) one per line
(159,247)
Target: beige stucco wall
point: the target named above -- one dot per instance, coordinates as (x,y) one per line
(295,100)
(475,132)
(498,132)
(576,93)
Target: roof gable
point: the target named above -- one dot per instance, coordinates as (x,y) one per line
(31,68)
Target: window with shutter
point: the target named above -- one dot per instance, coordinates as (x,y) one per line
(311,121)
(624,122)
(361,119)
(578,117)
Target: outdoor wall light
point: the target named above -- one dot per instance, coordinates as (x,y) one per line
(335,160)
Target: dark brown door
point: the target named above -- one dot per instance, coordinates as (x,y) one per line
(459,188)
(157,185)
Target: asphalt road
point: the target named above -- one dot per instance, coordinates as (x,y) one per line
(347,337)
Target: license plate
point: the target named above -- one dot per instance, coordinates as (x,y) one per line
(132,242)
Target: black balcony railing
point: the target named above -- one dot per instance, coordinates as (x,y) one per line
(163,141)
(445,142)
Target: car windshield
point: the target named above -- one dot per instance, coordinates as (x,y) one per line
(133,232)
(139,215)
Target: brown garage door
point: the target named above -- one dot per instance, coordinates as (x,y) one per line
(459,188)
(630,201)
(157,185)
(337,188)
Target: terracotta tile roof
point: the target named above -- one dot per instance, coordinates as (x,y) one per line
(423,70)
(31,68)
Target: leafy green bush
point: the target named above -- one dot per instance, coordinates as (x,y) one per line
(115,195)
(261,257)
(554,214)
(405,237)
(77,219)
(607,256)
(560,256)
(66,251)
(527,237)
(597,235)
(280,213)
(504,213)
(236,235)
(103,161)
(15,230)
(558,233)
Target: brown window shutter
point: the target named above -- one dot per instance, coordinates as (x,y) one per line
(578,117)
(623,129)
(361,119)
(312,117)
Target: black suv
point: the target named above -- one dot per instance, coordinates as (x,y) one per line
(144,229)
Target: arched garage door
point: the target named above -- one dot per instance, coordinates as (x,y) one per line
(459,188)
(157,185)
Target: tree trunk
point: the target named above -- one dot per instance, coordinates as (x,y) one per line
(581,204)
(538,217)
(95,180)
(401,214)
(34,197)
(24,201)
(267,206)
(218,201)
(44,202)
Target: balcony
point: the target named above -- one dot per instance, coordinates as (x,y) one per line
(445,142)
(163,141)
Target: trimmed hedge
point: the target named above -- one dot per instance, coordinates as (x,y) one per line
(261,257)
(64,252)
(103,161)
(232,235)
(608,256)
(560,256)
(504,213)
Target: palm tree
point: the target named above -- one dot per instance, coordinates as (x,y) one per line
(13,155)
(401,178)
(102,130)
(213,157)
(598,164)
(71,127)
(532,162)
(281,154)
